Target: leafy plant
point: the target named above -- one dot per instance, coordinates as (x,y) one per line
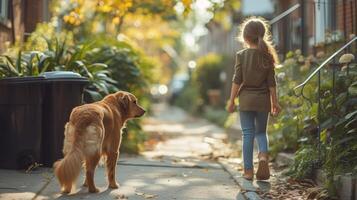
(189,98)
(305,162)
(297,127)
(207,74)
(133,137)
(60,57)
(88,45)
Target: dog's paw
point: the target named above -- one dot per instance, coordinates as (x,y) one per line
(93,190)
(65,191)
(114,185)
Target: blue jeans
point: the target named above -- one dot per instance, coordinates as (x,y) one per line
(254,125)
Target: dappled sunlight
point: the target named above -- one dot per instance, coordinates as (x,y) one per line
(165,182)
(167,128)
(199,129)
(172,182)
(17,195)
(136,182)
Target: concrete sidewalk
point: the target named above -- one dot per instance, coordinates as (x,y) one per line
(174,169)
(139,177)
(177,167)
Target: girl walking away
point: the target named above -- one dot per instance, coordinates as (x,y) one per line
(254,84)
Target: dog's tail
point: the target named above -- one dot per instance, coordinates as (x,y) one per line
(67,169)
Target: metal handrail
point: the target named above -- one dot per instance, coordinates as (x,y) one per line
(324,63)
(285,13)
(317,72)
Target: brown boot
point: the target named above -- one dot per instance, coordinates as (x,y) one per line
(263,172)
(248,174)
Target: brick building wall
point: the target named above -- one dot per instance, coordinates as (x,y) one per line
(320,16)
(346,14)
(23,15)
(35,12)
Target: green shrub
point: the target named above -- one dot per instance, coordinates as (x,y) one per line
(133,137)
(296,128)
(58,56)
(194,96)
(286,130)
(189,99)
(207,74)
(109,66)
(304,163)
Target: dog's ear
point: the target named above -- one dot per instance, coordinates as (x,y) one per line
(124,103)
(125,99)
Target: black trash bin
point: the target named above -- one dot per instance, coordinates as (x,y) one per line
(20,121)
(63,91)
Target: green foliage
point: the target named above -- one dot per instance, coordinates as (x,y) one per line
(122,61)
(296,128)
(165,9)
(207,73)
(341,152)
(109,66)
(304,164)
(128,66)
(60,57)
(82,36)
(133,137)
(194,96)
(286,131)
(189,98)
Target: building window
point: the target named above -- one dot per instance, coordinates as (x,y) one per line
(4,9)
(323,19)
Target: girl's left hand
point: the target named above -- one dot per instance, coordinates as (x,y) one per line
(231,107)
(276,109)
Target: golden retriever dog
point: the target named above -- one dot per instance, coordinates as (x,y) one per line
(93,131)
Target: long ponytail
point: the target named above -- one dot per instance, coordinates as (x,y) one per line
(255,30)
(268,51)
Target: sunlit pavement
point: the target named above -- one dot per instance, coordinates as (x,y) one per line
(187,137)
(139,179)
(173,169)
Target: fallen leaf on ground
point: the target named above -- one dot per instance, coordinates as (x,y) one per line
(159,157)
(146,196)
(121,197)
(32,167)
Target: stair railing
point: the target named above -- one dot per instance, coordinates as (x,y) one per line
(317,72)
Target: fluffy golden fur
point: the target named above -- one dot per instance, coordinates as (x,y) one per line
(94,130)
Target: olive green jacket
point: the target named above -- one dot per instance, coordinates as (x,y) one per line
(255,78)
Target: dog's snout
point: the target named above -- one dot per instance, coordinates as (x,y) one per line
(143,112)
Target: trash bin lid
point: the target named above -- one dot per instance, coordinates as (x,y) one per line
(64,76)
(61,74)
(21,80)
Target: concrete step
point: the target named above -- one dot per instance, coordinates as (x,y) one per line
(284,159)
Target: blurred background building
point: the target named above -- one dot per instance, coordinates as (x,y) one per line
(309,25)
(18,18)
(313,22)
